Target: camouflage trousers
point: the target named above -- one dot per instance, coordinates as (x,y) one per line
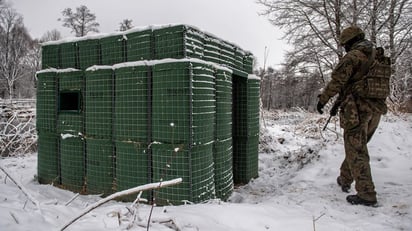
(355,166)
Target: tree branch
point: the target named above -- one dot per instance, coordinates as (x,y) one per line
(22,188)
(121,194)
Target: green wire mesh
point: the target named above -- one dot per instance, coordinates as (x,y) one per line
(139,45)
(132,167)
(183,103)
(89,53)
(46,104)
(113,49)
(68,55)
(98,109)
(194,164)
(131,109)
(72,163)
(178,42)
(50,56)
(47,161)
(99,166)
(183,106)
(70,114)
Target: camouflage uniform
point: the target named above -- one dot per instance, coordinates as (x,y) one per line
(380,56)
(359,118)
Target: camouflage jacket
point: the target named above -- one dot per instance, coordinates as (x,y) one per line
(344,76)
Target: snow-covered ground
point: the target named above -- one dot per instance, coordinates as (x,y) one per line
(296,188)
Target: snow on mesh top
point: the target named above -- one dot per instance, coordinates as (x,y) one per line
(209,35)
(57,70)
(139,63)
(99,67)
(169,60)
(253,76)
(78,39)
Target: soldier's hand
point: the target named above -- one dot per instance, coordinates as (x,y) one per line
(334,110)
(319,107)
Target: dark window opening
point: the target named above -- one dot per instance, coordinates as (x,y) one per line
(69,101)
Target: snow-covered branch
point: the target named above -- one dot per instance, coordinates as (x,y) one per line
(121,194)
(22,188)
(17,127)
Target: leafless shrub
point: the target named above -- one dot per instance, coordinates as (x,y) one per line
(17,128)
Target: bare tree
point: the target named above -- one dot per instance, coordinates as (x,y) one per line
(126,24)
(81,22)
(313,29)
(32,65)
(318,24)
(15,43)
(52,35)
(394,33)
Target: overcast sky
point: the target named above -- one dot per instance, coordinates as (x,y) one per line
(236,21)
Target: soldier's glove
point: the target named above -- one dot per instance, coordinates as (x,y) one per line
(334,110)
(319,107)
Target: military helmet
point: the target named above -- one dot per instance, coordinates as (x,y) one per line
(350,33)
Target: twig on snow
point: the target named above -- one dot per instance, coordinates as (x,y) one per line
(121,194)
(134,212)
(22,188)
(316,219)
(334,131)
(172,223)
(72,199)
(14,218)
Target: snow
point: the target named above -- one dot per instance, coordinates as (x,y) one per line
(99,67)
(163,61)
(66,70)
(153,27)
(83,38)
(253,77)
(66,136)
(296,188)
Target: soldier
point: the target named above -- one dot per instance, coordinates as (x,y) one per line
(359,117)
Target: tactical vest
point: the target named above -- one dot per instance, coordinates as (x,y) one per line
(375,84)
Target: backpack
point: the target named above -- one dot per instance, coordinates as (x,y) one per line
(375,84)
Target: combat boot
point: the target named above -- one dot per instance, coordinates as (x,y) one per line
(345,187)
(356,200)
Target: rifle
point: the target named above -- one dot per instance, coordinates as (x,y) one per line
(334,110)
(346,89)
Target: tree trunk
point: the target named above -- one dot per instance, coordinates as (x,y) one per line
(374,16)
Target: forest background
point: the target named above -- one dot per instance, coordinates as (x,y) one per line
(311,29)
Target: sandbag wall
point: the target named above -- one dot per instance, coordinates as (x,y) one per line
(122,110)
